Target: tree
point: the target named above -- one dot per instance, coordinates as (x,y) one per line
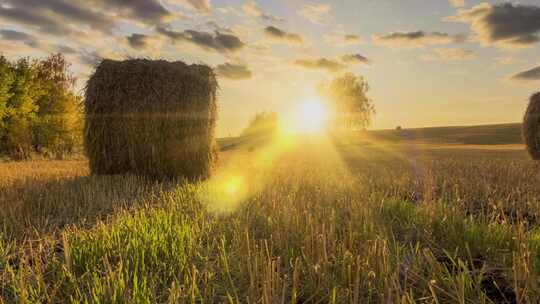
(21,110)
(38,110)
(57,129)
(7,78)
(263,124)
(352,107)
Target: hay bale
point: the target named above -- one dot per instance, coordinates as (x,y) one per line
(151,118)
(531,127)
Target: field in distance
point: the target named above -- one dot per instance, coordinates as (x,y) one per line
(466,136)
(297,220)
(499,134)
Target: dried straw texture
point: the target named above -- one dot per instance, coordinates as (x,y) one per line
(531,127)
(151,118)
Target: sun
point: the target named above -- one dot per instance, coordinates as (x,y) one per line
(308,117)
(314,116)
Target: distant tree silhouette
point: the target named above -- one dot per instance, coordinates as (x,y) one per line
(348,97)
(262,124)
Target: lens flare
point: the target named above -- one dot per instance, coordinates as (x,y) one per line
(233,185)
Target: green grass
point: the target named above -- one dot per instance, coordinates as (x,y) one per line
(350,223)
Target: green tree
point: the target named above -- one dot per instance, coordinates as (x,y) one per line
(21,110)
(352,107)
(38,110)
(6,81)
(58,125)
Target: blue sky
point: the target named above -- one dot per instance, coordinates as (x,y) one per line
(428,63)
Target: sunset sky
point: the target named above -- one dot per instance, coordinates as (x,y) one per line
(428,62)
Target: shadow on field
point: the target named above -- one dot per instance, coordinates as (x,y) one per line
(35,207)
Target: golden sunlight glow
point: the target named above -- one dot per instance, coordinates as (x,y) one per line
(225,191)
(310,116)
(245,173)
(232,186)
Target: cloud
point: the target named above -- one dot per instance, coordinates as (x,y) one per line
(454,54)
(148,44)
(528,75)
(457,3)
(315,13)
(351,38)
(26,17)
(148,11)
(65,49)
(322,63)
(90,58)
(507,60)
(233,71)
(33,42)
(17,36)
(342,39)
(417,39)
(138,41)
(199,5)
(505,24)
(282,36)
(210,41)
(251,8)
(216,27)
(53,15)
(355,59)
(73,17)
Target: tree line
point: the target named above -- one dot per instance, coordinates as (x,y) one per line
(40,113)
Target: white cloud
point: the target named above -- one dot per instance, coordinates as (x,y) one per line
(251,8)
(198,5)
(315,13)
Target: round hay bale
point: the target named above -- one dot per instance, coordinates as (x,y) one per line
(531,127)
(151,118)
